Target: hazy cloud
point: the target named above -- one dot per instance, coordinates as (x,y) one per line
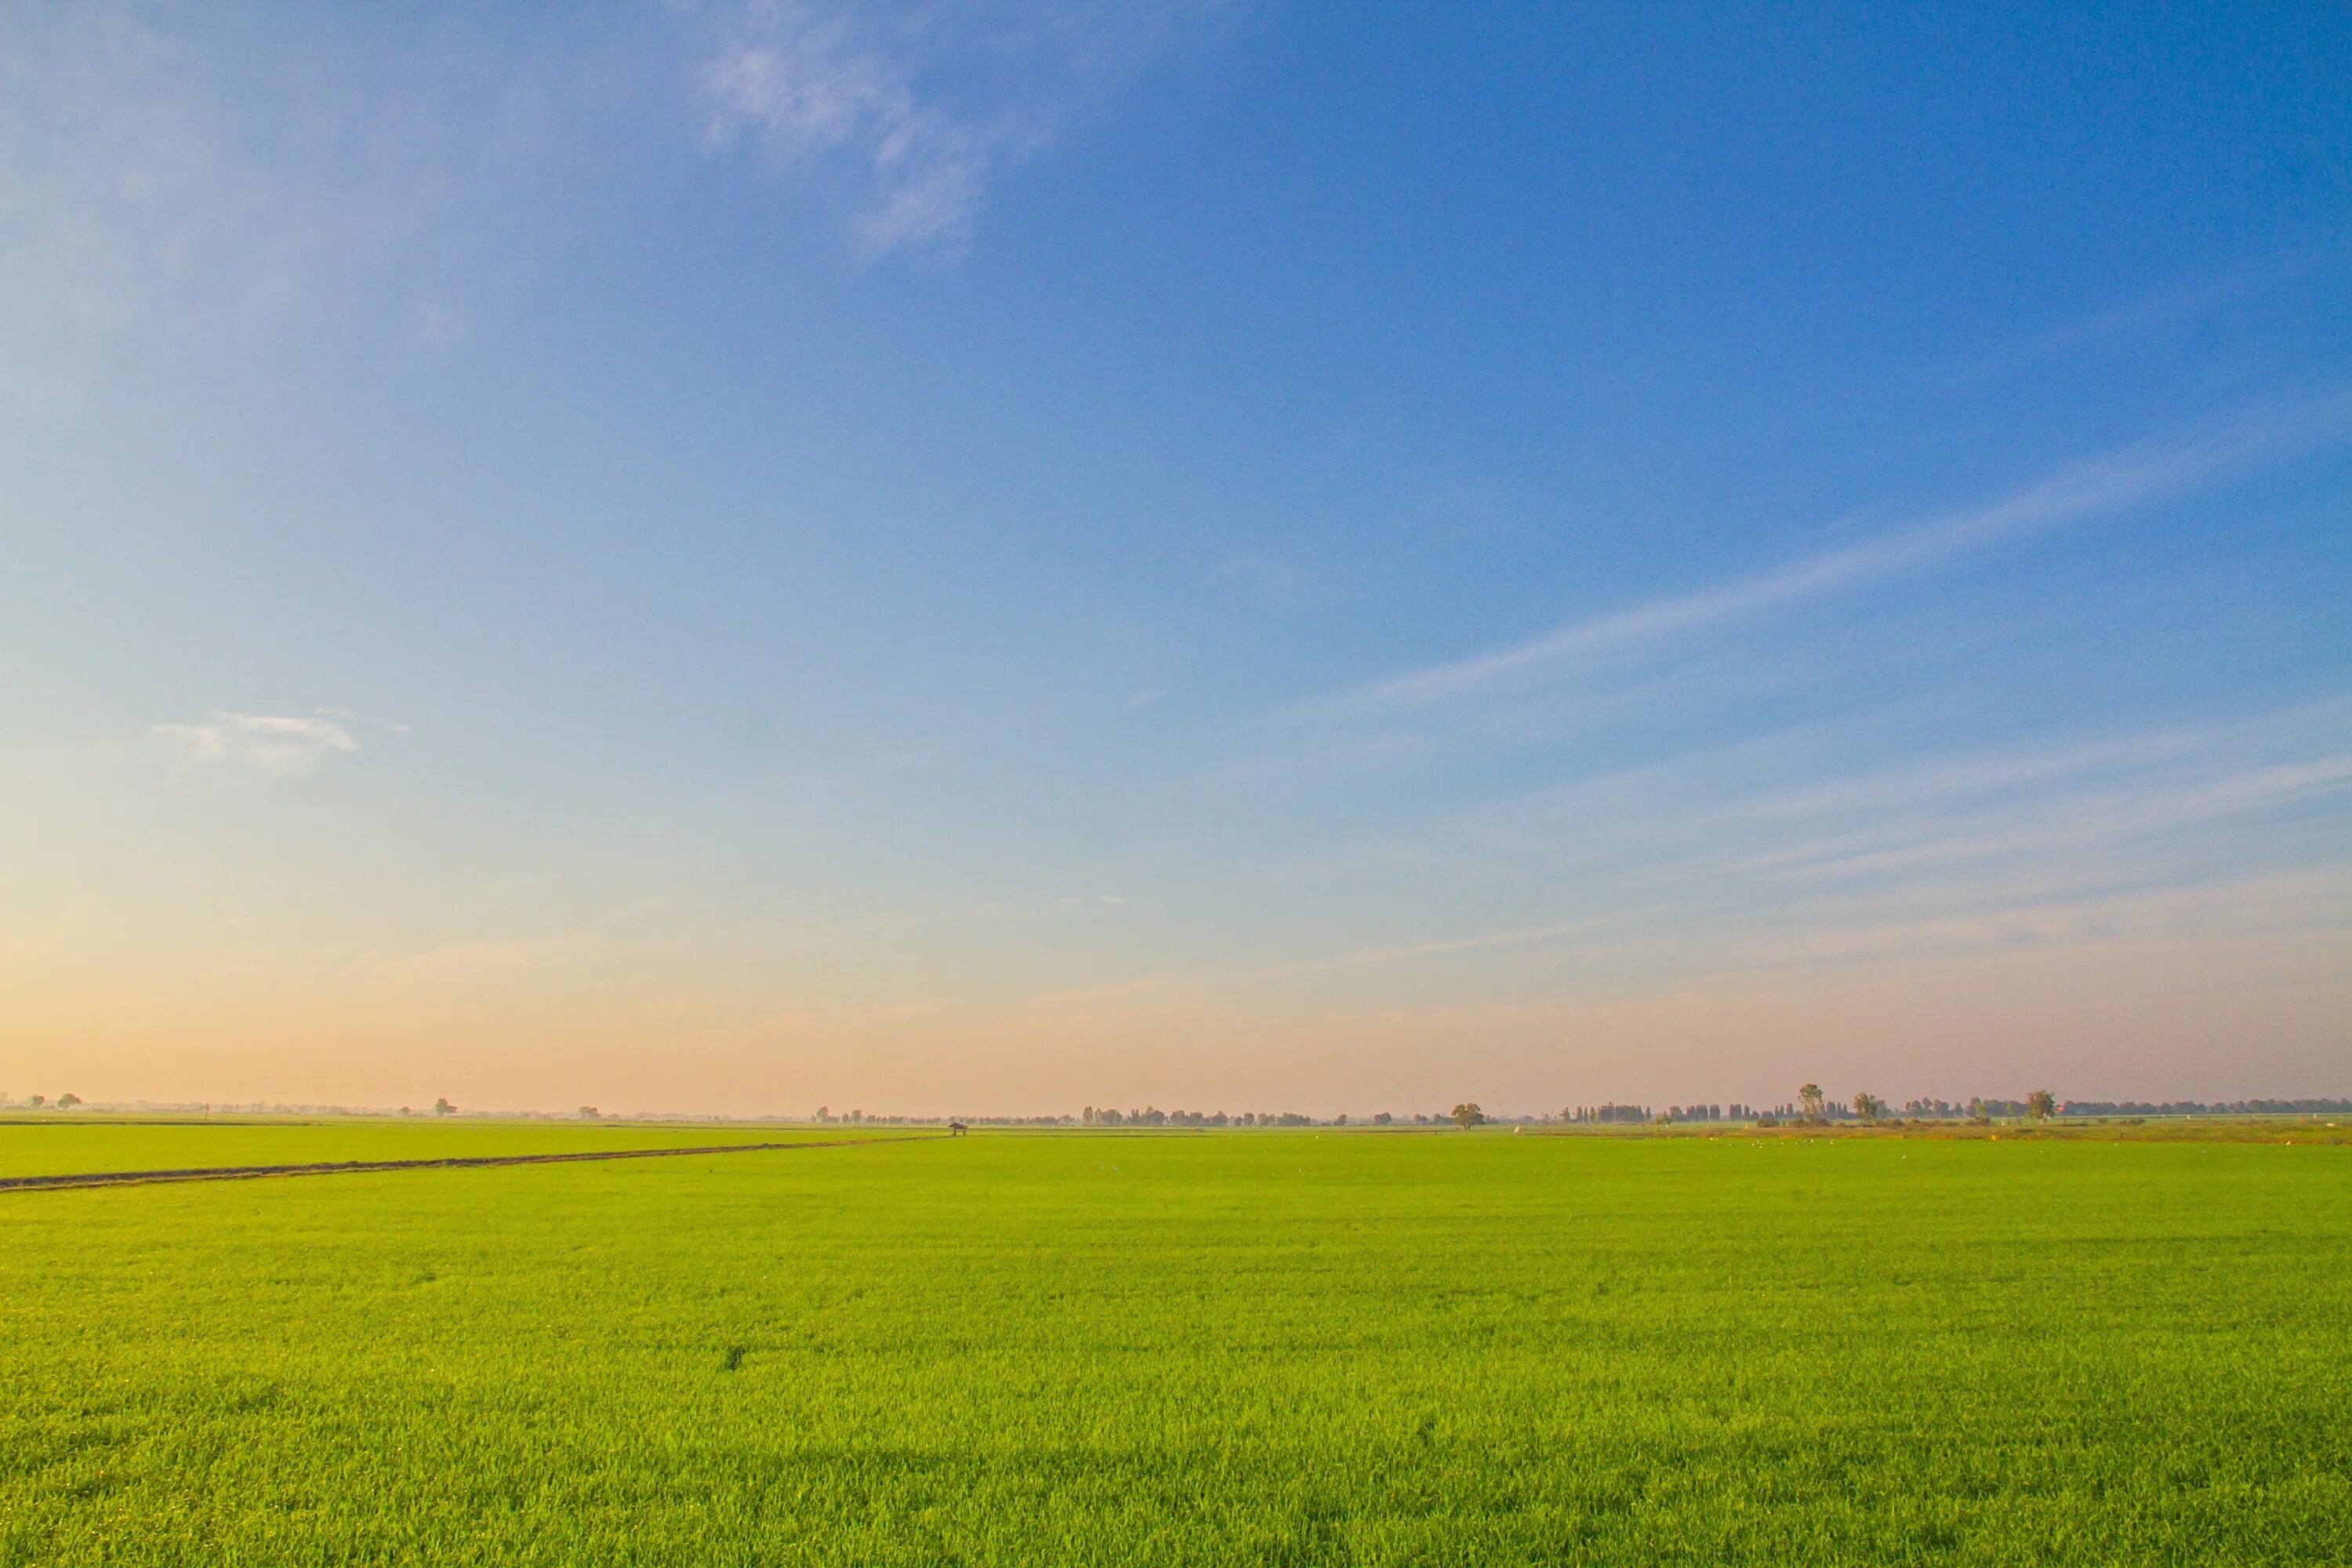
(920,107)
(271,743)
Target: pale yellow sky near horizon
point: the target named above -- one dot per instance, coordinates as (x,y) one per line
(217,931)
(2145,1015)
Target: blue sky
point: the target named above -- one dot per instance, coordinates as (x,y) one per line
(994,557)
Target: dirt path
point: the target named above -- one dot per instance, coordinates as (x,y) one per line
(338,1167)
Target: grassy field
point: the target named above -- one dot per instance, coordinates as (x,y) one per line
(1248,1348)
(56,1146)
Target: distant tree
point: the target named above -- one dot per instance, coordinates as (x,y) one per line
(588,1113)
(442,1107)
(2041,1104)
(67,1101)
(1341,1120)
(1468,1115)
(36,1101)
(1870,1108)
(1383,1119)
(1816,1103)
(1978,1111)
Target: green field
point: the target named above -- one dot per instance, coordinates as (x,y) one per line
(1248,1348)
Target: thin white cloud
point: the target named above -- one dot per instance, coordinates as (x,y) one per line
(2057,827)
(2168,305)
(2140,474)
(2297,901)
(923,106)
(278,745)
(1717,860)
(1711,815)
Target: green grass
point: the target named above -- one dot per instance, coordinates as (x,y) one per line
(56,1145)
(1236,1349)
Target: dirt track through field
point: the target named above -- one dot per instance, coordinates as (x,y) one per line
(340,1167)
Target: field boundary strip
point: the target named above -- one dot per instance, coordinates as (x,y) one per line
(460,1162)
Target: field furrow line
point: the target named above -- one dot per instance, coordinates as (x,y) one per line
(350,1167)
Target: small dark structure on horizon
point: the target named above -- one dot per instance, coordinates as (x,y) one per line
(957,1129)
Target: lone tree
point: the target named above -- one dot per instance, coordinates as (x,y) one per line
(1816,1103)
(1468,1115)
(442,1107)
(67,1101)
(1869,1107)
(2041,1104)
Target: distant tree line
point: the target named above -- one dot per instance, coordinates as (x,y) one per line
(2207,1108)
(1673,1115)
(1463,1115)
(1152,1116)
(1813,1107)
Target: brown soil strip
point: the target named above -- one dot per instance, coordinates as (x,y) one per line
(340,1167)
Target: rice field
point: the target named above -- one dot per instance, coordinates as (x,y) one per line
(1247,1348)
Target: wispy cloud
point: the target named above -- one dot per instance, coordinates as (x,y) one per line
(923,106)
(2063,826)
(2250,905)
(167,173)
(1719,861)
(2170,305)
(1718,812)
(278,745)
(2140,475)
